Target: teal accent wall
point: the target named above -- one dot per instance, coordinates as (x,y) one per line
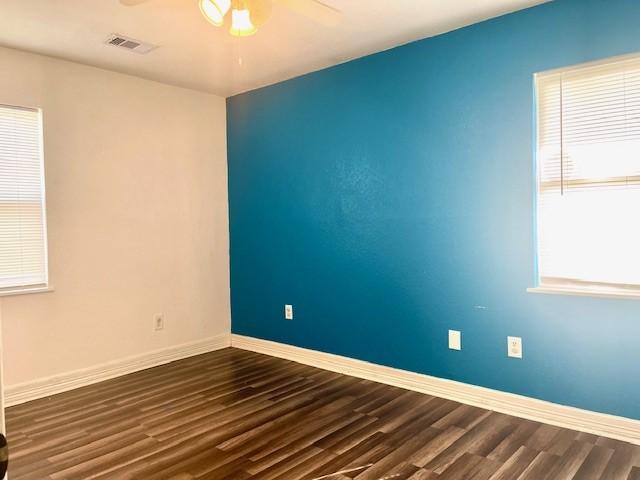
(391,198)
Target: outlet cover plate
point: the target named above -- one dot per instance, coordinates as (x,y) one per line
(514,347)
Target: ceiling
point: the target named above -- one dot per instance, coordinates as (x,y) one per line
(194,54)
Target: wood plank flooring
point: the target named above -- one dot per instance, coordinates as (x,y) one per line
(237,415)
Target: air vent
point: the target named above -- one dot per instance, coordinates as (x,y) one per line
(127,43)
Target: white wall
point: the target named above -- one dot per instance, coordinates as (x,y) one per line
(136,181)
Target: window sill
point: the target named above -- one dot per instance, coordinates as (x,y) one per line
(25,291)
(586,292)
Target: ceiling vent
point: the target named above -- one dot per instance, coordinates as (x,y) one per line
(130,44)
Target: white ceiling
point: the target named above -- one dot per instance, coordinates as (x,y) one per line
(195,54)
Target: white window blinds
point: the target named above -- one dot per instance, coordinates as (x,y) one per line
(588,157)
(23,257)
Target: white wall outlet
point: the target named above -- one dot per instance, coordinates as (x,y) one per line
(288,312)
(158,321)
(455,340)
(514,347)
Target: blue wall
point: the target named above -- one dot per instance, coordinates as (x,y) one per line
(391,198)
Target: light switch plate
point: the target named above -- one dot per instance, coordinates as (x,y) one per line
(288,312)
(455,340)
(514,347)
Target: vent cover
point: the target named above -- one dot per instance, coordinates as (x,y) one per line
(130,44)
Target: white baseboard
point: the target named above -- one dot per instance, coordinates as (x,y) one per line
(611,426)
(43,387)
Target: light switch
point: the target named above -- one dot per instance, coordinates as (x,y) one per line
(455,340)
(288,312)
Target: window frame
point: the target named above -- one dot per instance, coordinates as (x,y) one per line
(560,286)
(46,285)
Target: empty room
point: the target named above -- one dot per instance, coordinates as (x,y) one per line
(320,239)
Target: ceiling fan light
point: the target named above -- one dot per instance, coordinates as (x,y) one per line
(241,24)
(215,10)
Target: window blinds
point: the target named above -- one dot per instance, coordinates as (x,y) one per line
(23,258)
(588,157)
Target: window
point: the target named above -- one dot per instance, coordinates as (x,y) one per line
(23,251)
(588,195)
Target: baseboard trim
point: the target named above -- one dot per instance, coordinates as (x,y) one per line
(611,426)
(44,387)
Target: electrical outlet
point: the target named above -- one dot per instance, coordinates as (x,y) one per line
(514,347)
(158,321)
(288,312)
(455,340)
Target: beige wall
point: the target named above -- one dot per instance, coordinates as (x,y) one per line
(136,183)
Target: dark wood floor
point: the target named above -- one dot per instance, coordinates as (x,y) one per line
(237,415)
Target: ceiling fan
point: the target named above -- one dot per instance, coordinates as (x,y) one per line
(247,15)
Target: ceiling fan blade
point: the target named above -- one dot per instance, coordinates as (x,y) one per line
(314,9)
(131,3)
